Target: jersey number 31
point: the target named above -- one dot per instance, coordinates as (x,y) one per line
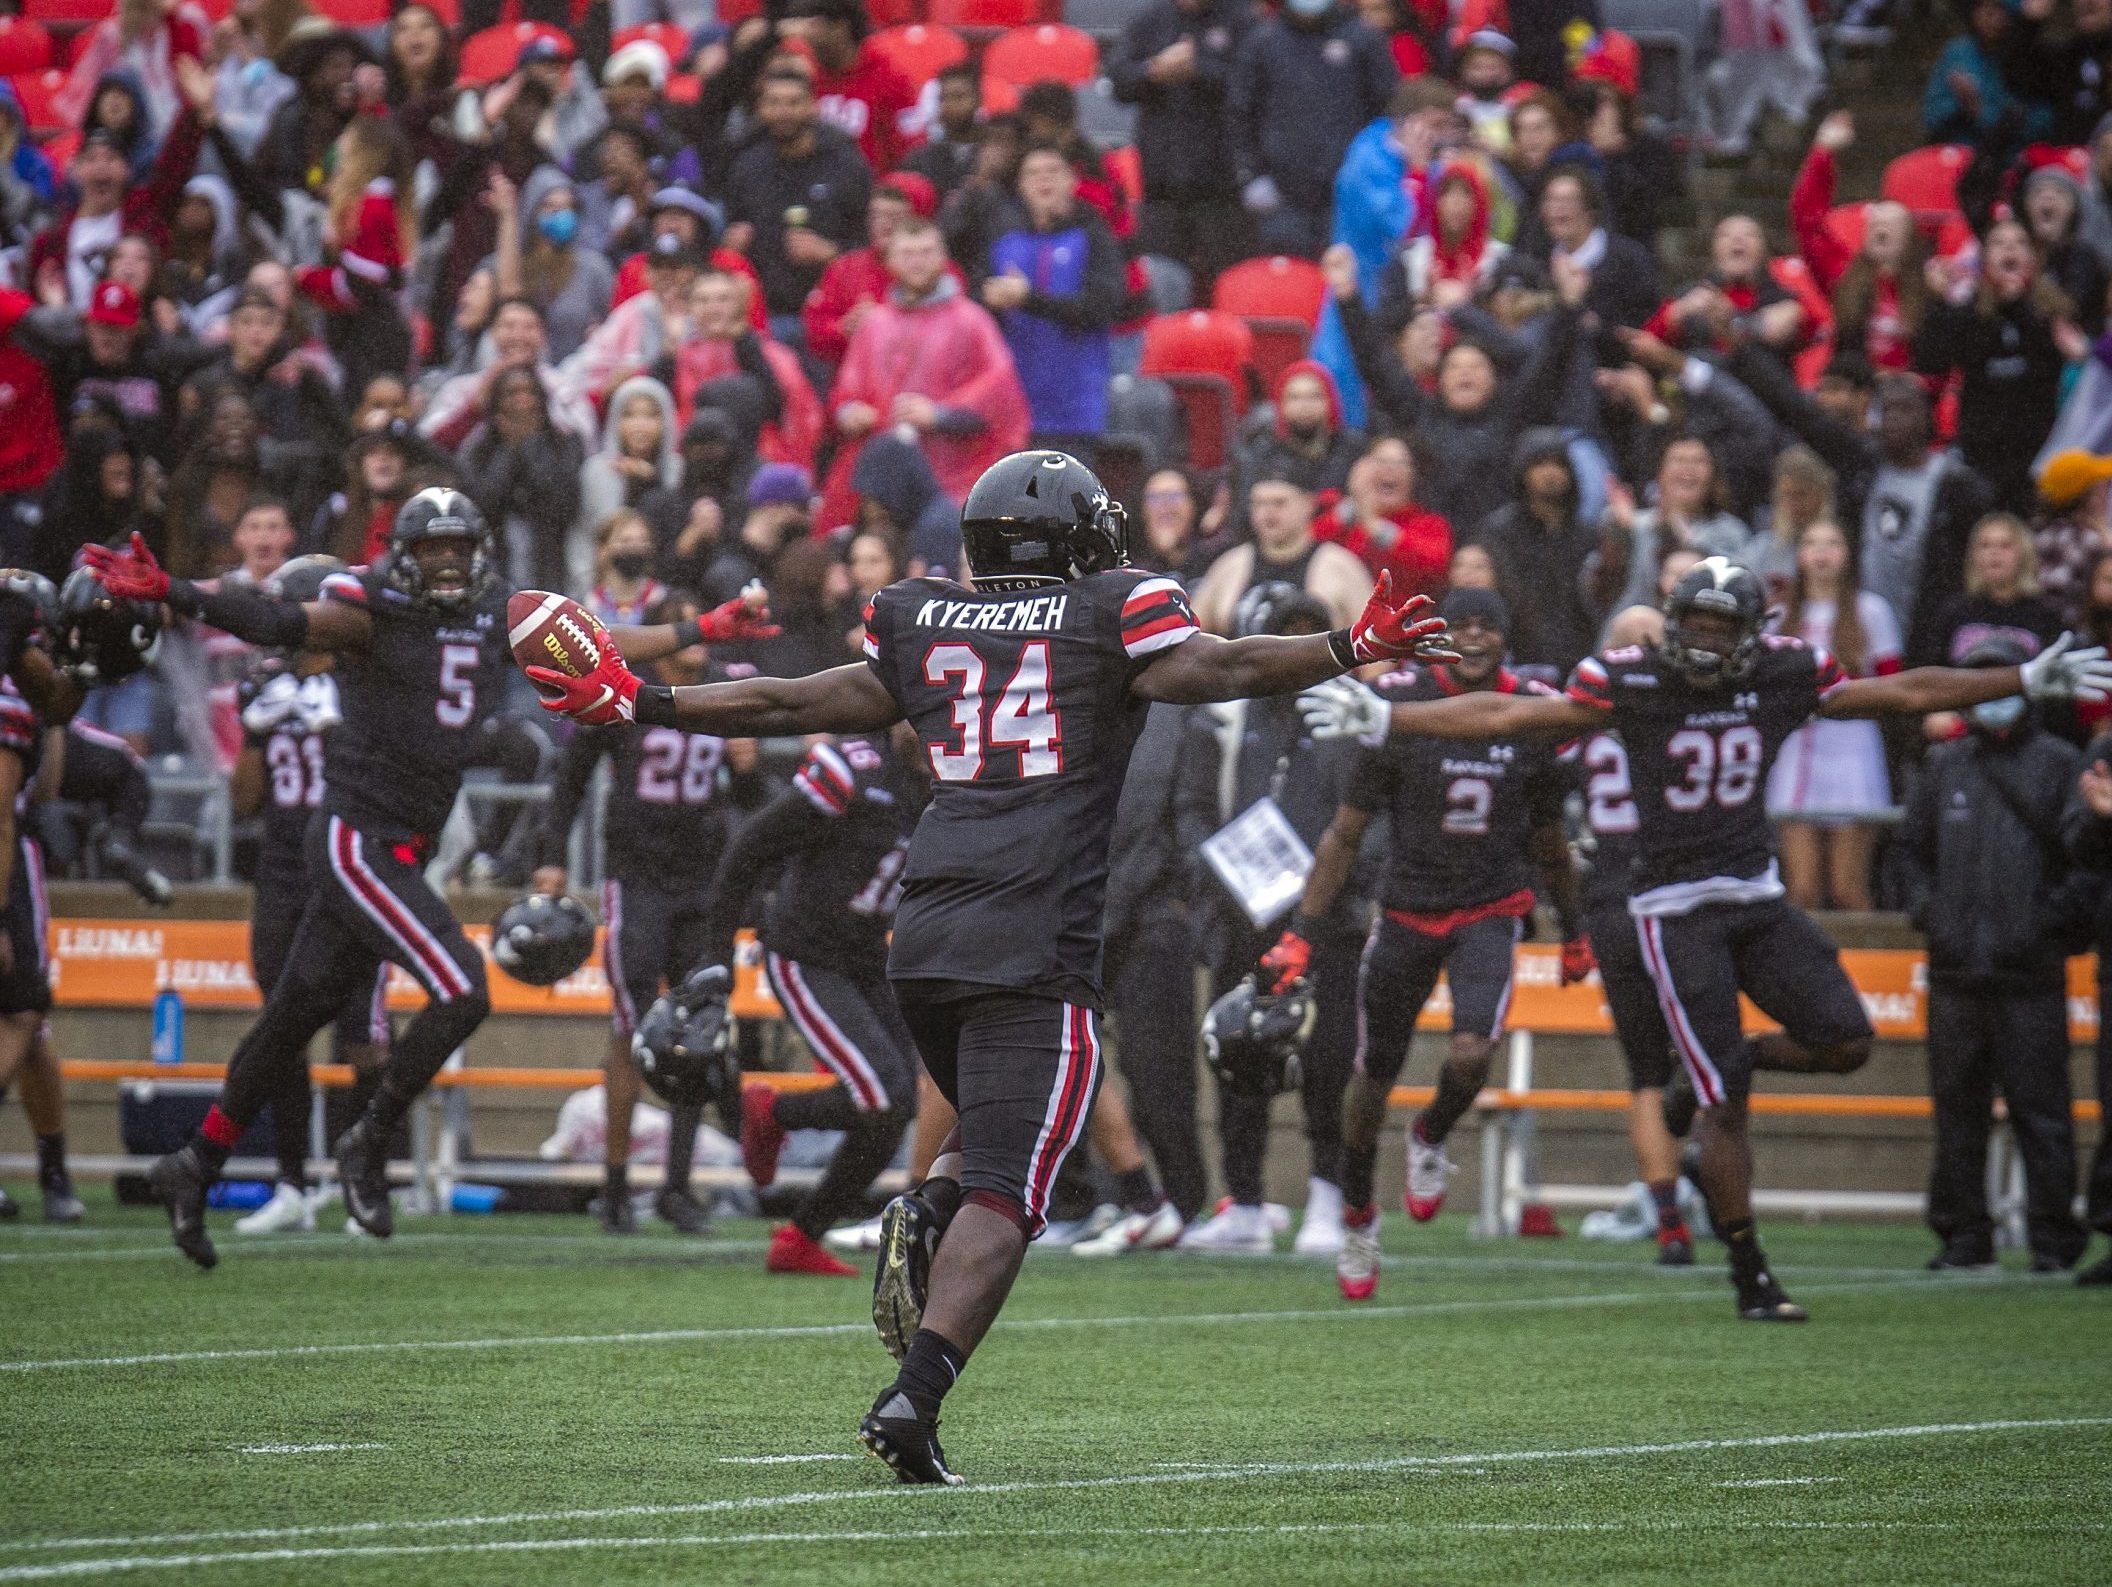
(1023,717)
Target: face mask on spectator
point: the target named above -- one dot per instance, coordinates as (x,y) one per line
(630,564)
(1310,8)
(1999,716)
(558,226)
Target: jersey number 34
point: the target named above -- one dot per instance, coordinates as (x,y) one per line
(1023,717)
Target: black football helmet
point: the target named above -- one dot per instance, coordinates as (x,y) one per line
(37,593)
(301,579)
(541,939)
(1040,518)
(1719,586)
(684,1045)
(1254,1041)
(432,514)
(100,637)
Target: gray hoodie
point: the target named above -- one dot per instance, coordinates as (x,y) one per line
(602,489)
(583,301)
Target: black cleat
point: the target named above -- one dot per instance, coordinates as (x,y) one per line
(1760,1299)
(617,1215)
(1965,1256)
(675,1205)
(909,1237)
(1675,1246)
(892,1431)
(181,1182)
(10,1209)
(2097,1275)
(61,1205)
(363,1172)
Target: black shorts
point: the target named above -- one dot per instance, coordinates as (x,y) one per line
(656,936)
(1021,1071)
(363,1020)
(851,1021)
(1631,996)
(1400,972)
(371,902)
(1772,952)
(26,986)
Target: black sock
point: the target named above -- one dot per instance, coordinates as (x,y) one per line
(1665,1192)
(616,1179)
(211,1155)
(931,1367)
(825,1108)
(1742,1241)
(943,1197)
(51,1157)
(1360,1165)
(682,1122)
(1139,1191)
(389,1103)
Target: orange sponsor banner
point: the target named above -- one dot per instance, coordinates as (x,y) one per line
(124,963)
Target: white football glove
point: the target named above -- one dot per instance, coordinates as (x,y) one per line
(2062,672)
(278,699)
(1345,708)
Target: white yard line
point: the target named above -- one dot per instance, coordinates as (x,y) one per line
(892,1494)
(781,1460)
(1156,1320)
(303,1449)
(334,1241)
(1777,1482)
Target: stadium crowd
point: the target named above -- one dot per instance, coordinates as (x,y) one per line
(685,305)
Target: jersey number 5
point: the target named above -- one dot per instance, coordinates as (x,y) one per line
(1024,716)
(456,705)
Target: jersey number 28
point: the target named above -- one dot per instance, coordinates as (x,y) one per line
(1023,717)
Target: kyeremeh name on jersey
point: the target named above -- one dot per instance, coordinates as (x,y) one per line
(1039,614)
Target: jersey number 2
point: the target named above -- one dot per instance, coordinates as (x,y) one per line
(1024,715)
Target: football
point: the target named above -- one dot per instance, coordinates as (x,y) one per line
(553,631)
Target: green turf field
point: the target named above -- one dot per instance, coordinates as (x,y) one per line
(522,1400)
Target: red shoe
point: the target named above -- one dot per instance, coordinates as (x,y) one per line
(1357,1264)
(792,1251)
(762,1137)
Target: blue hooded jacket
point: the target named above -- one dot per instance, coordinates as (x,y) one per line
(28,165)
(1373,215)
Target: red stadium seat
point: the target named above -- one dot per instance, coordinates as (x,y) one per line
(1208,415)
(36,90)
(1926,181)
(1201,342)
(918,52)
(984,13)
(2075,158)
(24,46)
(1000,98)
(891,13)
(1126,166)
(735,12)
(355,13)
(1278,288)
(1278,344)
(68,10)
(670,38)
(1048,53)
(492,53)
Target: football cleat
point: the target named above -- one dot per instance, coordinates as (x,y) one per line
(793,1250)
(2096,1275)
(61,1205)
(614,1210)
(1760,1299)
(762,1137)
(909,1238)
(180,1180)
(1320,1233)
(1966,1256)
(854,1237)
(288,1209)
(363,1171)
(1234,1230)
(1136,1231)
(1675,1246)
(676,1206)
(1357,1265)
(10,1209)
(892,1431)
(1429,1170)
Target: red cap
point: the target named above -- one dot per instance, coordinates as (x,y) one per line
(114,303)
(914,190)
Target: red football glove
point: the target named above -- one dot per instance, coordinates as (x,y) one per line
(607,694)
(1578,961)
(740,618)
(1288,960)
(132,574)
(1387,632)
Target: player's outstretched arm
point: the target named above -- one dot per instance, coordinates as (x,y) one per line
(1345,708)
(2061,671)
(1204,668)
(847,699)
(746,616)
(246,613)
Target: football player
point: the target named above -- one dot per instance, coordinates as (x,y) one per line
(836,841)
(1474,826)
(1026,692)
(1702,715)
(1601,764)
(421,644)
(665,827)
(289,709)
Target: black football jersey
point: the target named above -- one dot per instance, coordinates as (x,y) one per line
(293,770)
(837,895)
(413,702)
(1698,760)
(1601,766)
(1461,809)
(22,735)
(1022,703)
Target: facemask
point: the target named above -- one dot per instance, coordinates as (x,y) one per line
(630,564)
(558,227)
(1310,8)
(1999,716)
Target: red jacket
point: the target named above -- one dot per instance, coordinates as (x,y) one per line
(31,446)
(148,206)
(1420,557)
(851,279)
(866,101)
(373,254)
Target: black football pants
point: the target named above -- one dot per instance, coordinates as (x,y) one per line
(369,900)
(2017,1042)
